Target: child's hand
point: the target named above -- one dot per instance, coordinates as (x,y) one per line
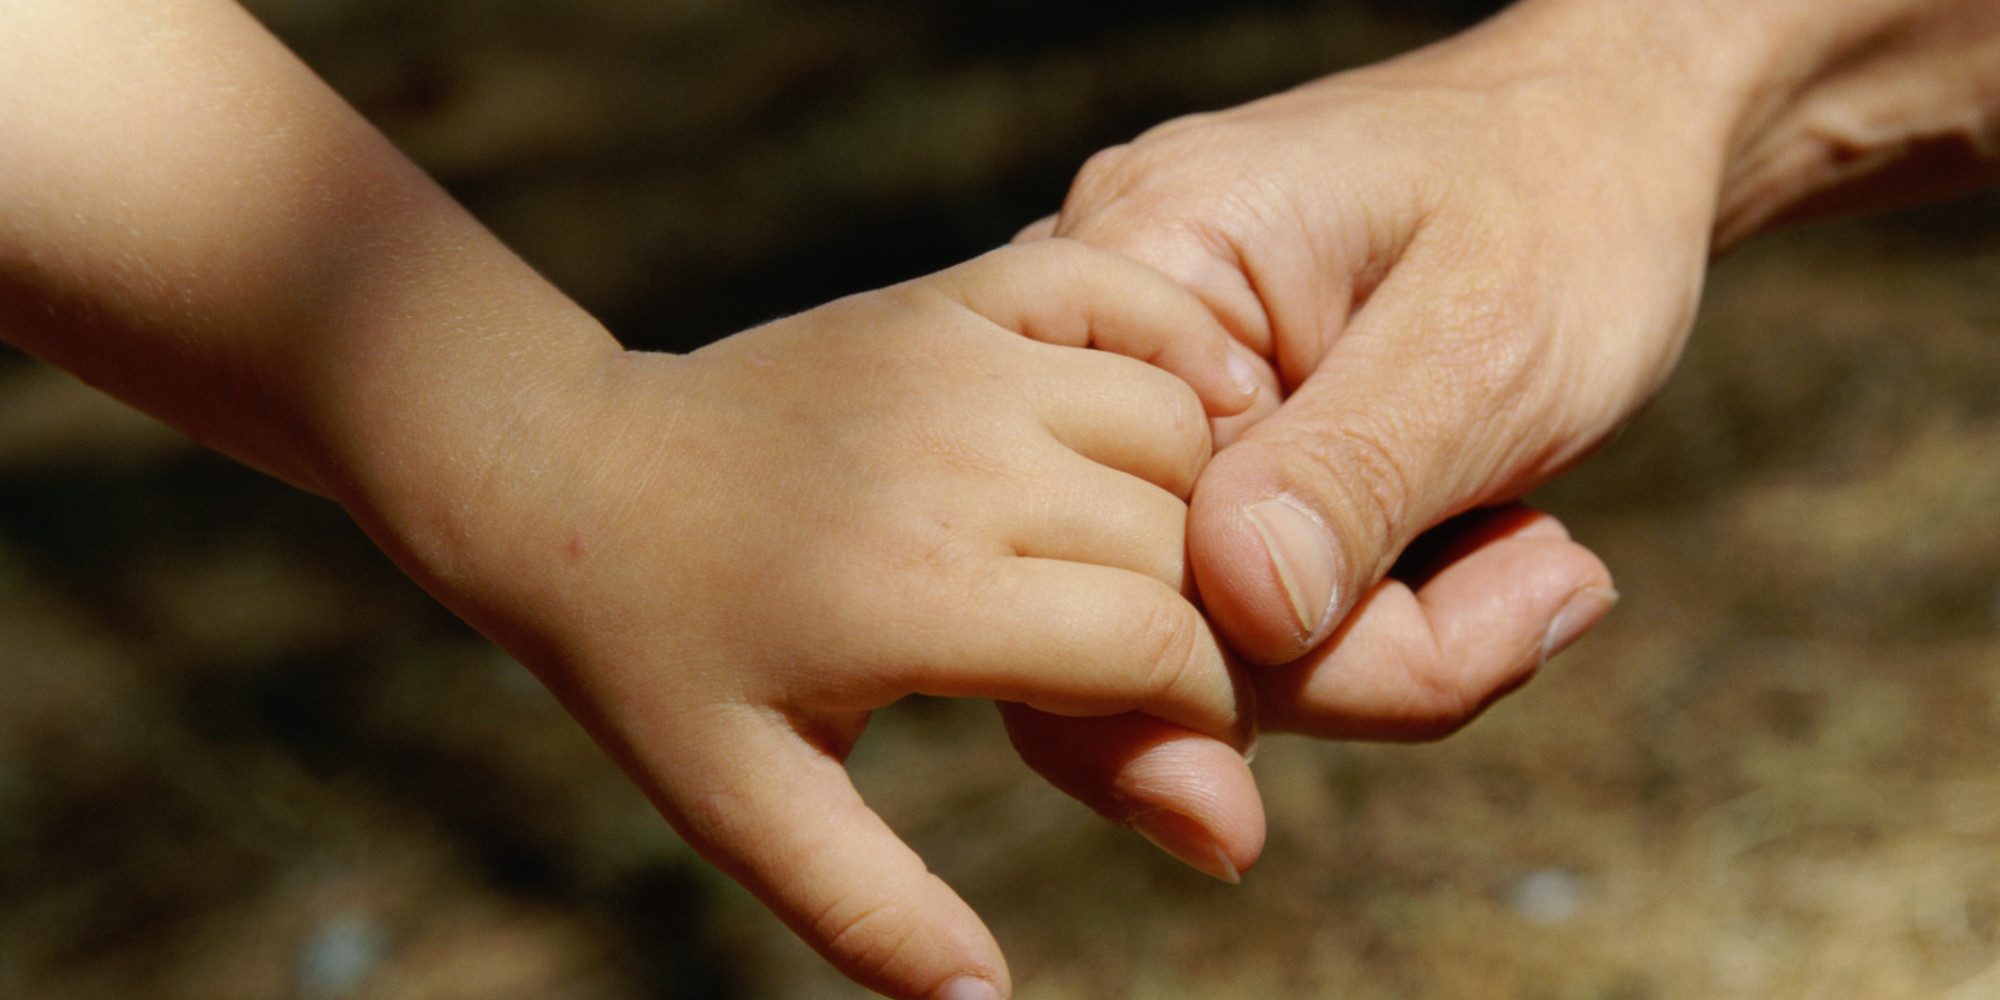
(722,562)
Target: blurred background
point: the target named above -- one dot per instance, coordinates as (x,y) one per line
(241,757)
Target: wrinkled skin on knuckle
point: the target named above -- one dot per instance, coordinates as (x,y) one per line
(1105,177)
(1512,364)
(1441,706)
(1166,640)
(1186,424)
(1171,171)
(1363,477)
(1382,478)
(1449,707)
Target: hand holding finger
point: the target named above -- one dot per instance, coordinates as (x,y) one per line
(1473,616)
(1130,309)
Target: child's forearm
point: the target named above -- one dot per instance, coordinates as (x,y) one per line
(190,220)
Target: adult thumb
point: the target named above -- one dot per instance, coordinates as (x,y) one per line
(1424,408)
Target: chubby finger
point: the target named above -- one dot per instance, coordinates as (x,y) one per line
(1087,513)
(1194,256)
(1062,292)
(1191,795)
(1080,640)
(1423,653)
(1122,414)
(777,812)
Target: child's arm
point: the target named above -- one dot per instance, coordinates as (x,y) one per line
(721,562)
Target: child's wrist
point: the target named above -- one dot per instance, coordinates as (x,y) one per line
(471,489)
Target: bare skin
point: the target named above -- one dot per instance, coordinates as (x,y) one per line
(1464,268)
(720,562)
(1467,267)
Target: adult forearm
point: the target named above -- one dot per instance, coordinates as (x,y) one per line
(1800,108)
(1830,105)
(1877,103)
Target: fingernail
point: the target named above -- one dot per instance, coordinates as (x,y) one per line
(1185,839)
(968,988)
(1242,373)
(1585,609)
(1301,551)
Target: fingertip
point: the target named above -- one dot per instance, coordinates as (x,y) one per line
(1191,795)
(1425,652)
(1249,376)
(1264,563)
(1202,803)
(1188,840)
(1157,321)
(969,988)
(1224,375)
(1225,431)
(1229,384)
(1579,614)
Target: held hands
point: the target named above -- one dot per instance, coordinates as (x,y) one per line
(1468,267)
(757,544)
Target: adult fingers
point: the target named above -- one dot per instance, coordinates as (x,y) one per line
(1439,396)
(1063,292)
(777,811)
(1191,795)
(1186,198)
(1470,616)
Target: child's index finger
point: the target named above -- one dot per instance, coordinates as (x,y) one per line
(1059,291)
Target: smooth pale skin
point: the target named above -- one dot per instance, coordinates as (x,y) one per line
(1467,267)
(720,562)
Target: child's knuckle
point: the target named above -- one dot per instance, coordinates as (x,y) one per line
(1163,640)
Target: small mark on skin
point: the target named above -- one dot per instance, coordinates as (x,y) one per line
(579,545)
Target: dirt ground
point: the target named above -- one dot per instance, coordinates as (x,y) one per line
(240,757)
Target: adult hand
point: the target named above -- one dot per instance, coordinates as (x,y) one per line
(1469,266)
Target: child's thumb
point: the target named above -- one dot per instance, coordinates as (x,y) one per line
(779,814)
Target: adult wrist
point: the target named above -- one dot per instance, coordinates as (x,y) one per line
(1655,93)
(1689,72)
(1791,109)
(1881,103)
